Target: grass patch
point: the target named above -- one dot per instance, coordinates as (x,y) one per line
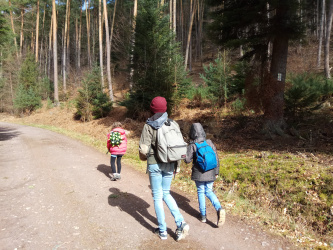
(288,192)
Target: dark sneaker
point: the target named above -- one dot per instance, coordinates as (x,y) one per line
(163,235)
(182,231)
(203,218)
(220,217)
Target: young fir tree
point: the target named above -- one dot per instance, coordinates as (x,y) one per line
(158,66)
(92,102)
(27,96)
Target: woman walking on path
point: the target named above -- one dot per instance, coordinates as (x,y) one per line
(204,180)
(160,174)
(117,146)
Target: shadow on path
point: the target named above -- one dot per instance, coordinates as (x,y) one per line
(105,169)
(133,205)
(184,204)
(8,133)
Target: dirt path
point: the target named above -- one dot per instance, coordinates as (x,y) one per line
(55,194)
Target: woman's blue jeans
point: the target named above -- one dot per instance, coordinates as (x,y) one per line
(205,188)
(160,181)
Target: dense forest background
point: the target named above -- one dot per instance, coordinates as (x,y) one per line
(265,64)
(51,49)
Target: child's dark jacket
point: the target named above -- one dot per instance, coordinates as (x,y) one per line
(197,134)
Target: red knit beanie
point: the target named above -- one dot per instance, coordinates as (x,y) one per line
(158,105)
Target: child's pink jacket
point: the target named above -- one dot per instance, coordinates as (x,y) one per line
(120,149)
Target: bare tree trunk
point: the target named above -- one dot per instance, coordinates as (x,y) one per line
(170,14)
(68,37)
(80,35)
(11,87)
(64,49)
(50,48)
(273,90)
(93,31)
(193,9)
(327,40)
(100,40)
(108,51)
(55,56)
(182,25)
(135,11)
(32,45)
(321,33)
(42,53)
(76,40)
(113,20)
(21,35)
(37,30)
(200,22)
(88,29)
(13,28)
(174,16)
(1,74)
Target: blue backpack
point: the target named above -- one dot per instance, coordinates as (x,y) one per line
(206,157)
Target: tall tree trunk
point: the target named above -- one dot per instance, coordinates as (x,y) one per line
(274,87)
(88,29)
(113,20)
(1,74)
(68,36)
(170,14)
(37,30)
(135,11)
(108,51)
(42,53)
(93,31)
(50,48)
(321,32)
(64,49)
(193,9)
(12,23)
(200,14)
(327,40)
(76,40)
(11,87)
(100,40)
(181,25)
(55,55)
(21,33)
(79,45)
(174,16)
(32,40)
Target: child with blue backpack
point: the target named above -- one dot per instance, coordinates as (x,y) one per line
(205,169)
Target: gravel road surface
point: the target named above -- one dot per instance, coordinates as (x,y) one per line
(55,193)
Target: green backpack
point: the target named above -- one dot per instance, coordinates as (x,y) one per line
(115,138)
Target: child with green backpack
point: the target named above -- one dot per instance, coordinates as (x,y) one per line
(117,146)
(206,167)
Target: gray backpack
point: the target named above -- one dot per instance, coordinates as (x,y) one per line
(170,145)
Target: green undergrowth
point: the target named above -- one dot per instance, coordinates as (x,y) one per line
(291,194)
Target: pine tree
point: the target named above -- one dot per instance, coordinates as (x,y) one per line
(27,95)
(158,68)
(92,102)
